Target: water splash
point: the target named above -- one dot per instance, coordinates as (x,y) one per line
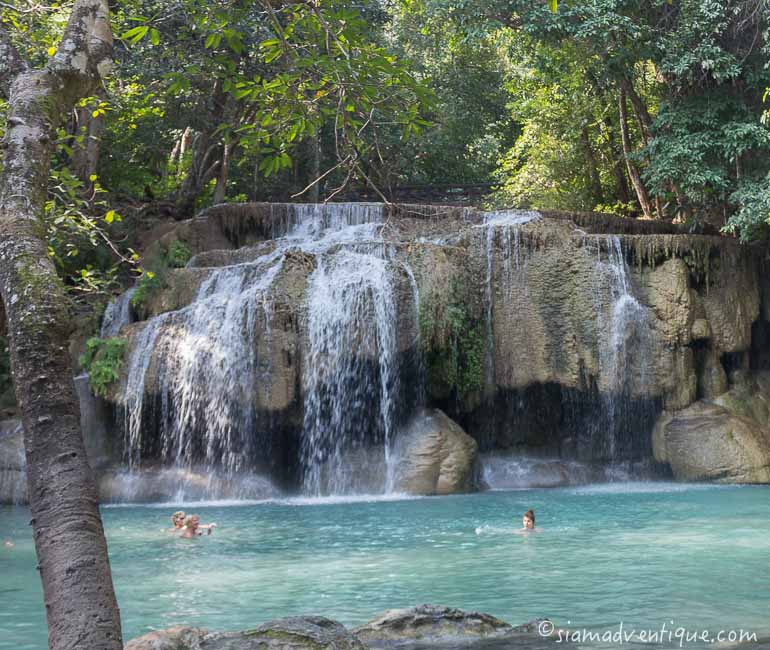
(117,314)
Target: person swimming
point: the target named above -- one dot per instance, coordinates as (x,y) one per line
(528,520)
(177,519)
(193,527)
(8,543)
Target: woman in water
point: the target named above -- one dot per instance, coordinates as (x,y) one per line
(177,519)
(193,527)
(528,521)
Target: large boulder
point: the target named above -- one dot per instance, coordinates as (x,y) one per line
(175,638)
(708,442)
(13,474)
(430,622)
(435,456)
(296,633)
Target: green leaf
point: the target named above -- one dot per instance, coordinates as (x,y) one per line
(135,34)
(154,36)
(213,41)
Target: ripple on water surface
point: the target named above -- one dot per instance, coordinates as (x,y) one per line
(639,553)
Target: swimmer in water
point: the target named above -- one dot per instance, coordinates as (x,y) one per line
(193,527)
(528,520)
(8,543)
(177,521)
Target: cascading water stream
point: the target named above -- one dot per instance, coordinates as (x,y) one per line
(209,365)
(624,336)
(351,373)
(117,314)
(503,238)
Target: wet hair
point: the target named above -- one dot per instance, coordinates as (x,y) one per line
(530,514)
(179,514)
(189,521)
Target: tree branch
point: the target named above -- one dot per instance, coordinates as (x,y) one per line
(11,64)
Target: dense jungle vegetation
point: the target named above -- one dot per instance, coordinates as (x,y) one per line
(653,108)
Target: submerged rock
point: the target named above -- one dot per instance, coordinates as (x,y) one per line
(430,622)
(295,633)
(175,638)
(424,627)
(435,456)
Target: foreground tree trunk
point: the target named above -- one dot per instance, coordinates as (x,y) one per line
(80,603)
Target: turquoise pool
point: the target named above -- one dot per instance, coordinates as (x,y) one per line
(642,554)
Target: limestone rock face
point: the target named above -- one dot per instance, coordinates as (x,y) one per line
(13,474)
(732,305)
(296,633)
(430,622)
(435,456)
(709,442)
(667,290)
(588,317)
(175,638)
(713,378)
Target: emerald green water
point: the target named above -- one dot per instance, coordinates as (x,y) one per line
(643,554)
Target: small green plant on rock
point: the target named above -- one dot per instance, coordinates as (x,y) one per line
(178,254)
(146,287)
(102,361)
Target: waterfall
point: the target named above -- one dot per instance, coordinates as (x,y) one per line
(210,362)
(625,338)
(503,234)
(117,314)
(351,371)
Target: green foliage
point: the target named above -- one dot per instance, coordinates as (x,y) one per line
(102,360)
(177,254)
(147,286)
(455,344)
(261,80)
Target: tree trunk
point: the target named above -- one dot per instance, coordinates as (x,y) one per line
(220,191)
(633,172)
(618,164)
(85,156)
(314,193)
(80,603)
(645,127)
(640,110)
(593,169)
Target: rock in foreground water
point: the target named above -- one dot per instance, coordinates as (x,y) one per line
(430,622)
(295,633)
(425,627)
(174,638)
